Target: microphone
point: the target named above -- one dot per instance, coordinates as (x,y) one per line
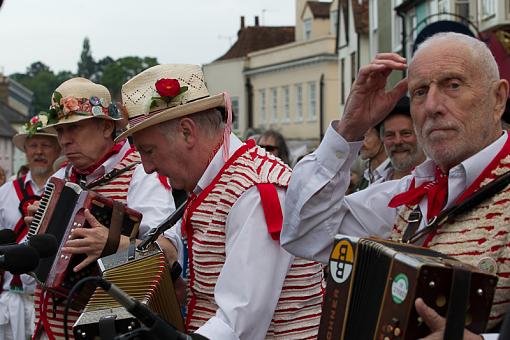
(18,258)
(7,236)
(159,328)
(46,245)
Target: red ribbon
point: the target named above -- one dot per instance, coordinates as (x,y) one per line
(436,192)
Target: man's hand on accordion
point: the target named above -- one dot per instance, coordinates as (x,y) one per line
(437,323)
(90,241)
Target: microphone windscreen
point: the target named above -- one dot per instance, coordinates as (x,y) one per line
(20,259)
(46,245)
(7,236)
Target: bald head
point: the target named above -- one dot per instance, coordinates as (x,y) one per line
(479,53)
(457,97)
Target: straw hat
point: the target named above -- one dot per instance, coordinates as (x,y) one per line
(36,126)
(166,92)
(78,99)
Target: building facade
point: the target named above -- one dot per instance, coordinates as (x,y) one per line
(15,109)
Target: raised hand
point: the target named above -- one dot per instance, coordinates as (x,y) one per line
(369,102)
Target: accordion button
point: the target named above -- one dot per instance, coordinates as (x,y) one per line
(397,332)
(488,264)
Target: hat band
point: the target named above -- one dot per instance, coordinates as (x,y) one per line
(133,121)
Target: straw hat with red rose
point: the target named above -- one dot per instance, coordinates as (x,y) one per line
(34,127)
(170,91)
(77,99)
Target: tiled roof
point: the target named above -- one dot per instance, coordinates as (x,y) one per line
(319,9)
(255,38)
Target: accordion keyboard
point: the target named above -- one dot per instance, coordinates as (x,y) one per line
(41,211)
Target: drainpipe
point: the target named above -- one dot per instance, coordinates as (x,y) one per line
(321,107)
(249,102)
(404,40)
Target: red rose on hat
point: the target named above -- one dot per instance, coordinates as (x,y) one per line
(168,87)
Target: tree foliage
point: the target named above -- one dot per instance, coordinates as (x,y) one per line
(41,80)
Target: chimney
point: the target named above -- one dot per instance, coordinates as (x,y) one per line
(242,21)
(256,21)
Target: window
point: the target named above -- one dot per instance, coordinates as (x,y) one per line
(235,113)
(312,101)
(462,8)
(488,8)
(397,28)
(274,105)
(299,103)
(286,104)
(443,6)
(333,19)
(262,107)
(307,29)
(342,81)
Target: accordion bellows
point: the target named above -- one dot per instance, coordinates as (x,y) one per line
(146,279)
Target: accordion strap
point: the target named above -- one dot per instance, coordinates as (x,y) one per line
(476,198)
(112,243)
(458,304)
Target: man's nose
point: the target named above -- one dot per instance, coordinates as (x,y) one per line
(433,100)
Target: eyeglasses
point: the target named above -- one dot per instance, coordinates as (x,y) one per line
(269,148)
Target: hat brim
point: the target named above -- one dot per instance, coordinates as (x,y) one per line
(176,112)
(76,118)
(20,138)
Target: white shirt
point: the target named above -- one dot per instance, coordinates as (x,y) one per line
(9,216)
(255,268)
(316,208)
(146,194)
(380,174)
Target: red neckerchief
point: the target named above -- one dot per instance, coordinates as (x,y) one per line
(436,192)
(76,173)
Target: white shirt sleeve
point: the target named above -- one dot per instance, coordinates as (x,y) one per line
(148,195)
(251,279)
(317,208)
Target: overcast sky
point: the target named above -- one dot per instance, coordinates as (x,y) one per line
(185,31)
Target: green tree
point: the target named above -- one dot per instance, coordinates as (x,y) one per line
(41,80)
(115,74)
(87,66)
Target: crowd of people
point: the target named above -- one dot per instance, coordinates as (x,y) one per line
(258,233)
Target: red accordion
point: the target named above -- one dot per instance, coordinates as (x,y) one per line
(61,210)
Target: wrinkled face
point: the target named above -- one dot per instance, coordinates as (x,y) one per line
(400,142)
(41,152)
(162,155)
(269,143)
(85,142)
(371,145)
(452,103)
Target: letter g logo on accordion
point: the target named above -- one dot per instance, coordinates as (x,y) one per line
(341,261)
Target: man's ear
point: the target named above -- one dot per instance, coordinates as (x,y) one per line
(501,94)
(188,131)
(108,128)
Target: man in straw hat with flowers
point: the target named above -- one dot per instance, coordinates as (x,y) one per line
(41,149)
(242,284)
(85,120)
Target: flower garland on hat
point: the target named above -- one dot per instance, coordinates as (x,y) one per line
(67,106)
(36,124)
